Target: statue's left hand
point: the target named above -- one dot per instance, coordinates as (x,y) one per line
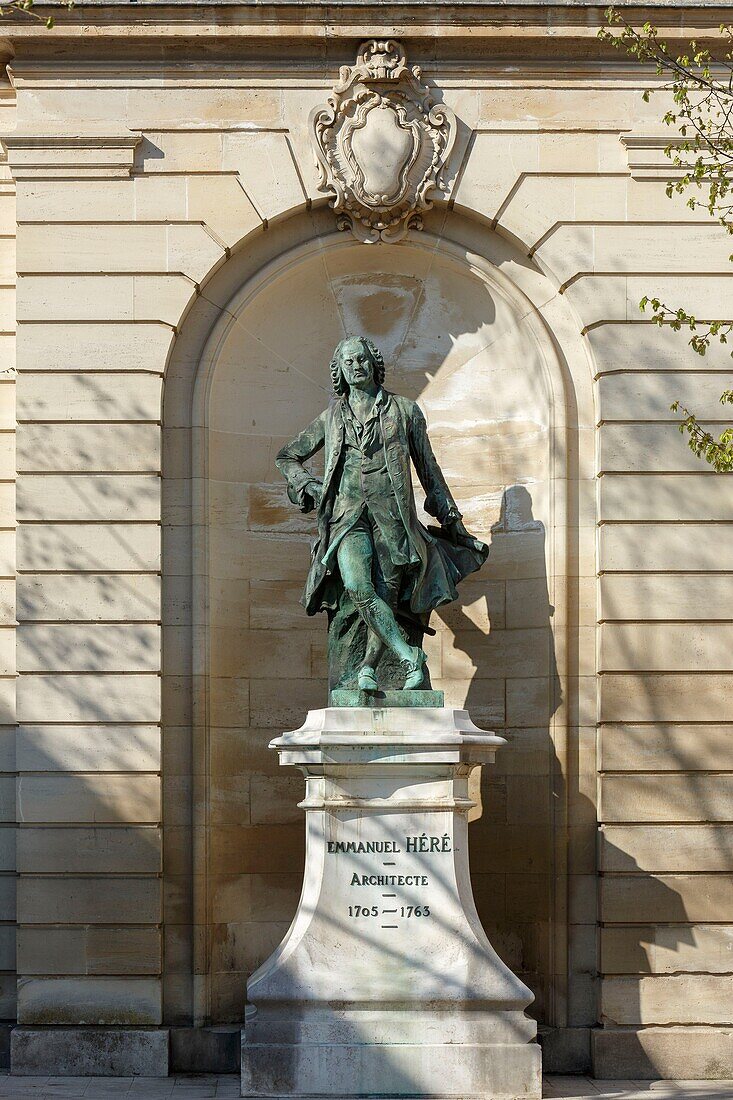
(456,531)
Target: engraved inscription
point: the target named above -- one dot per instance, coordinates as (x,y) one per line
(392,908)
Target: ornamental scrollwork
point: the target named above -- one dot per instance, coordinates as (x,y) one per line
(381,144)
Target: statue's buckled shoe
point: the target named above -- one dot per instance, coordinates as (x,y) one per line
(415,670)
(367,680)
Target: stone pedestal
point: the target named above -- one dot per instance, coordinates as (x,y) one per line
(386,984)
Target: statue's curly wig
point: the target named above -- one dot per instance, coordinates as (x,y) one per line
(340,388)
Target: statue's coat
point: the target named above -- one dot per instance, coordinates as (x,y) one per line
(404,431)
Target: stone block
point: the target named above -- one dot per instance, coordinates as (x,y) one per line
(90,1001)
(647,348)
(131,850)
(484,698)
(666,999)
(274,799)
(93,547)
(665,848)
(660,747)
(91,951)
(8,996)
(655,697)
(667,797)
(705,295)
(689,497)
(663,596)
(6,798)
(5,1031)
(89,497)
(193,251)
(92,900)
(353,1070)
(629,899)
(667,949)
(66,699)
(697,249)
(205,1049)
(8,934)
(647,547)
(528,701)
(636,396)
(672,1053)
(91,247)
(86,597)
(54,200)
(666,647)
(253,849)
(7,384)
(85,1052)
(128,448)
(110,346)
(254,653)
(644,448)
(267,170)
(88,397)
(7,454)
(173,151)
(94,798)
(7,601)
(566,251)
(7,848)
(498,848)
(115,297)
(278,704)
(495,164)
(565,1050)
(240,947)
(527,604)
(75,298)
(260,896)
(88,748)
(221,204)
(7,656)
(8,899)
(8,709)
(535,205)
(7,505)
(73,647)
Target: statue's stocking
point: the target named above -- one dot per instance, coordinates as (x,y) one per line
(374,649)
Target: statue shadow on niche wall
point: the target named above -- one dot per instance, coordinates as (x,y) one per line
(502,622)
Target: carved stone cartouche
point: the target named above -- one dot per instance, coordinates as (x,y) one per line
(381,144)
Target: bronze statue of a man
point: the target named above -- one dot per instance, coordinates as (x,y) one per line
(375,568)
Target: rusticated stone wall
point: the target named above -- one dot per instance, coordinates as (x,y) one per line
(180,285)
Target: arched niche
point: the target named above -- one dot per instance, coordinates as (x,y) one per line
(478,335)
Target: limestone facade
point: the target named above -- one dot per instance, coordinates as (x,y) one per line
(173,283)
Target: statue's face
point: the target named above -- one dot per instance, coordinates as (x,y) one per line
(356,363)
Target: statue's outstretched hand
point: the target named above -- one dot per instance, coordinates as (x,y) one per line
(456,531)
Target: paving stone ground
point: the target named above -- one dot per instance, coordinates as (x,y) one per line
(212,1087)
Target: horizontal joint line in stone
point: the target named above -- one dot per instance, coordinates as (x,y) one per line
(663,773)
(87,572)
(85,321)
(95,273)
(92,723)
(83,372)
(128,223)
(86,523)
(88,672)
(23,472)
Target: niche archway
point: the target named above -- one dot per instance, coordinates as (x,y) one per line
(481,338)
